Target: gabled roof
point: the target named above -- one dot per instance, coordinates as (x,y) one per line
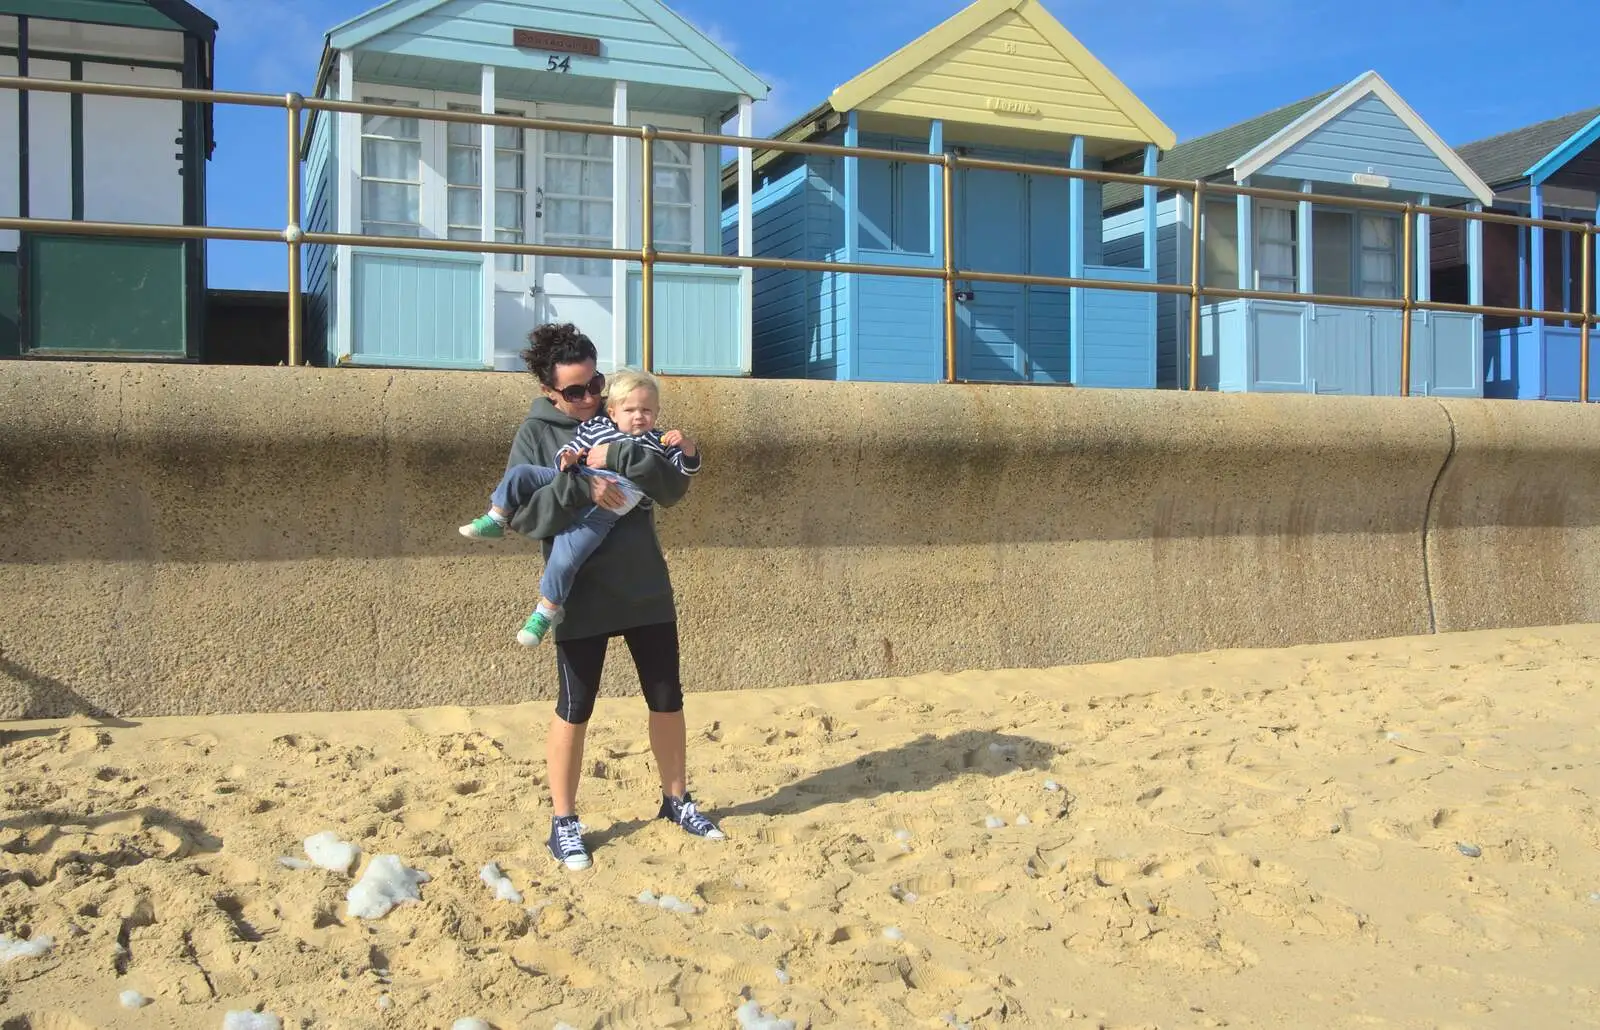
(1209,156)
(1367,84)
(1557,159)
(1504,160)
(954,32)
(164,15)
(390,15)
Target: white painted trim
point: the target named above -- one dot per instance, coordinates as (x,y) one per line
(486,212)
(1475,258)
(1423,254)
(747,237)
(347,169)
(1370,83)
(1305,244)
(1183,215)
(619,228)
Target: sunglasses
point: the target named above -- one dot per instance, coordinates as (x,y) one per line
(575,394)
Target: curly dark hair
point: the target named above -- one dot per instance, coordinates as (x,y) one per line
(555,344)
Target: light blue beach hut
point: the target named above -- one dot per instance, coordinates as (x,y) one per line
(1547,170)
(1361,140)
(623,62)
(1002,80)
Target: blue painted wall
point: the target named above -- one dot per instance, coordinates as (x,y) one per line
(803,321)
(418,308)
(1368,135)
(474,33)
(318,215)
(696,316)
(1518,366)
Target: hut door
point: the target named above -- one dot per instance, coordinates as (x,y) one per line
(991,238)
(572,207)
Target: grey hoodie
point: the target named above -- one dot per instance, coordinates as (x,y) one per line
(624,583)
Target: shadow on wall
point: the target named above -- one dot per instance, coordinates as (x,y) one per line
(49,698)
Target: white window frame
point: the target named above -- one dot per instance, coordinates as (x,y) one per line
(503,262)
(1278,283)
(1359,252)
(422,165)
(435,209)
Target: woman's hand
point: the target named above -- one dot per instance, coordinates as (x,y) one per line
(597,455)
(605,493)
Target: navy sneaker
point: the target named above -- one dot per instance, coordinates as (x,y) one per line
(683,812)
(566,842)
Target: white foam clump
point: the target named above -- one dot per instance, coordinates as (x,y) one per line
(783,976)
(248,1020)
(994,822)
(1052,786)
(497,881)
(470,1023)
(894,933)
(386,883)
(13,948)
(669,902)
(327,851)
(752,1018)
(290,862)
(133,1000)
(1023,820)
(902,835)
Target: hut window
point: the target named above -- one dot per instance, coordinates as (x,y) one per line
(1275,248)
(1332,247)
(1380,258)
(577,199)
(673,196)
(1221,239)
(464,181)
(391,172)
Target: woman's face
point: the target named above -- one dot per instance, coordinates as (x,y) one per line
(578,380)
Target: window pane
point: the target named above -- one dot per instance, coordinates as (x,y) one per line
(459,233)
(508,211)
(392,126)
(1275,251)
(382,229)
(462,134)
(1380,266)
(672,186)
(506,137)
(670,152)
(465,167)
(597,218)
(672,225)
(464,207)
(563,217)
(383,159)
(1331,239)
(1221,259)
(390,202)
(507,170)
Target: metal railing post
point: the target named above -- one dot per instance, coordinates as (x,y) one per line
(1586,242)
(647,251)
(948,202)
(293,232)
(1407,288)
(1197,219)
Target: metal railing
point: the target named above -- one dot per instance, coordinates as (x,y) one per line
(1195,190)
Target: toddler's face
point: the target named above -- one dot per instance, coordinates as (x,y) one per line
(635,413)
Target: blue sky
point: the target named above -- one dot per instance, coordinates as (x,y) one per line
(1462,64)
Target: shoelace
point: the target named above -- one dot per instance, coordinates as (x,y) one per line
(570,837)
(689,816)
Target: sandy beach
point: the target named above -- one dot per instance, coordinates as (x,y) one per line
(1391,834)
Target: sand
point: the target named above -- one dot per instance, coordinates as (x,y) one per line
(1391,834)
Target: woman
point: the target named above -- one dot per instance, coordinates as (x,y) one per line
(622,589)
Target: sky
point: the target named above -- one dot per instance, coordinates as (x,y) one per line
(1470,69)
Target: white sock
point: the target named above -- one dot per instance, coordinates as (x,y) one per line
(499,518)
(550,611)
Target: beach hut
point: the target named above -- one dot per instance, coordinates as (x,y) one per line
(622,62)
(1003,80)
(103,159)
(1548,170)
(1361,140)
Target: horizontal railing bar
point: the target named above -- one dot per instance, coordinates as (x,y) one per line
(67,227)
(112,89)
(1480,309)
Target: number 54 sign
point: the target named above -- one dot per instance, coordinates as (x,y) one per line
(564,46)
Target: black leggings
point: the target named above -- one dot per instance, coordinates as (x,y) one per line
(655,656)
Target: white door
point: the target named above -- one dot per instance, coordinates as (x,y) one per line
(572,187)
(131,166)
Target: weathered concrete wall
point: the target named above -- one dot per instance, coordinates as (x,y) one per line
(1515,535)
(183,540)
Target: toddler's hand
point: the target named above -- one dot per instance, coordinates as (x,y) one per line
(678,438)
(567,459)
